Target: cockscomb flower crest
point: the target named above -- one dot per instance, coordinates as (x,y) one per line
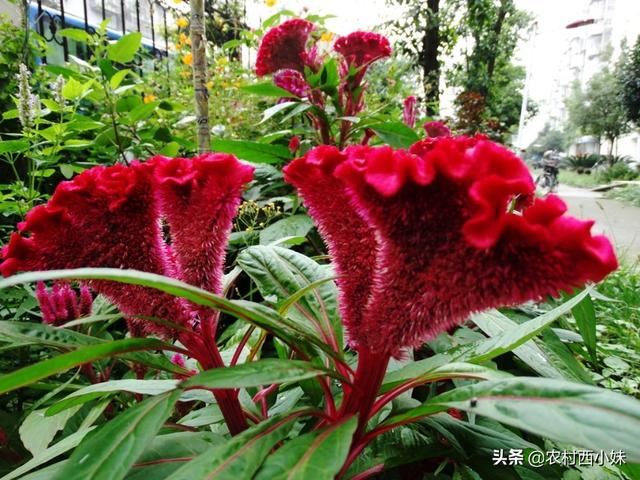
(439,238)
(292,81)
(361,49)
(284,47)
(111,217)
(409,111)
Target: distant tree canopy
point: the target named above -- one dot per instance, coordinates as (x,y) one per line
(548,139)
(490,84)
(597,110)
(629,82)
(487,74)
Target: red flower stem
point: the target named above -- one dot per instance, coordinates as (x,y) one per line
(369,375)
(228,398)
(369,472)
(330,405)
(243,342)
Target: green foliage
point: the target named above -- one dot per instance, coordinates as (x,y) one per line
(618,171)
(630,194)
(491,85)
(597,110)
(628,77)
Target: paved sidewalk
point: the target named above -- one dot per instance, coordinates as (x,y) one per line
(618,220)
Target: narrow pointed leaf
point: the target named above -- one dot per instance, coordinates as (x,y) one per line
(318,455)
(262,372)
(240,457)
(572,413)
(109,451)
(33,373)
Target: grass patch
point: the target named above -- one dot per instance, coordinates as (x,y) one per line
(575,179)
(618,330)
(630,194)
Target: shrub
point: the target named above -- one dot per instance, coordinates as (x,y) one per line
(618,171)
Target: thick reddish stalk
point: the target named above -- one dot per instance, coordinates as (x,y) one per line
(371,369)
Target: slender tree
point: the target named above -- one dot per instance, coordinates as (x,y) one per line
(199,52)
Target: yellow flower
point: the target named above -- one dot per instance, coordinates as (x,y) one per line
(326,37)
(236,84)
(209,84)
(182,22)
(149,97)
(187,58)
(177,2)
(184,40)
(185,73)
(225,84)
(270,3)
(222,61)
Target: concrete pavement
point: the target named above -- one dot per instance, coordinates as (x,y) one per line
(618,220)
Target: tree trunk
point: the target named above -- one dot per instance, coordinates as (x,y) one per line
(199,63)
(497,29)
(430,61)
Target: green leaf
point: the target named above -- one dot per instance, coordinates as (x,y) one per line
(252,151)
(293,226)
(254,313)
(550,358)
(171,149)
(396,134)
(144,387)
(109,452)
(73,89)
(13,146)
(484,350)
(240,457)
(63,338)
(275,109)
(75,34)
(38,430)
(66,170)
(28,375)
(572,413)
(49,454)
(318,455)
(585,316)
(125,48)
(253,374)
(118,77)
(169,452)
(281,273)
(267,89)
(142,112)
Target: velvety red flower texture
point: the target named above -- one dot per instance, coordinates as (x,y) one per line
(284,47)
(110,217)
(409,111)
(436,129)
(442,242)
(61,303)
(359,49)
(293,82)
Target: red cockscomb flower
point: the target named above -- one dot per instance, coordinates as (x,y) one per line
(293,82)
(110,217)
(284,46)
(446,244)
(362,48)
(199,198)
(294,144)
(436,129)
(350,240)
(104,217)
(409,111)
(61,303)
